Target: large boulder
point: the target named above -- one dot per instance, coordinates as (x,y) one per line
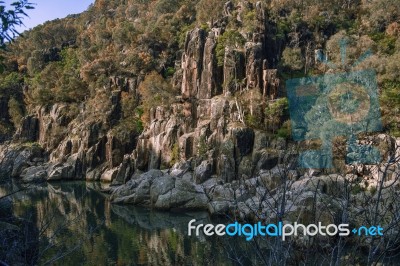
(16,158)
(161,191)
(61,171)
(161,186)
(125,171)
(185,196)
(181,168)
(34,174)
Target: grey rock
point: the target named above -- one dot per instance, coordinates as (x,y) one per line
(60,171)
(182,199)
(221,193)
(34,174)
(192,62)
(211,183)
(180,168)
(218,207)
(268,159)
(109,176)
(161,186)
(125,171)
(203,172)
(29,130)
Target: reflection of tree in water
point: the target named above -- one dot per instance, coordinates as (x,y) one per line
(76,225)
(47,217)
(159,238)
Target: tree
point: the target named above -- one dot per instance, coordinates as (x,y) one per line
(10,19)
(154,91)
(209,10)
(292,59)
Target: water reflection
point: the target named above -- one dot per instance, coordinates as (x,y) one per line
(76,225)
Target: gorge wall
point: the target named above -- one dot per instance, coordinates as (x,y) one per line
(205,125)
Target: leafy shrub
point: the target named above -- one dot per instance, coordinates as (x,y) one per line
(175,157)
(275,113)
(292,59)
(154,91)
(230,38)
(285,130)
(16,111)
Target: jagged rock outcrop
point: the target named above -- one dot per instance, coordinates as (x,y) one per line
(205,125)
(29,130)
(14,159)
(192,62)
(234,70)
(210,76)
(254,55)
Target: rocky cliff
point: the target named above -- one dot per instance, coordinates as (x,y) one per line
(212,106)
(182,105)
(204,125)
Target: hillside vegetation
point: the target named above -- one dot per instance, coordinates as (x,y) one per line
(69,60)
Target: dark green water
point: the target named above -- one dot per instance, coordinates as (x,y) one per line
(75,224)
(72,223)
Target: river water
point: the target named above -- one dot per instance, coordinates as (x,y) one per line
(75,224)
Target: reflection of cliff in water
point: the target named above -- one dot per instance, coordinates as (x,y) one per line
(75,224)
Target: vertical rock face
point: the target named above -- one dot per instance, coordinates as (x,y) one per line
(205,126)
(233,70)
(271,82)
(254,55)
(192,62)
(115,113)
(259,35)
(210,81)
(29,130)
(114,151)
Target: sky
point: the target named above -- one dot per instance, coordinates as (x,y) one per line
(51,9)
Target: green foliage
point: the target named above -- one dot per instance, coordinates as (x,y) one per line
(70,60)
(11,83)
(230,38)
(169,72)
(154,91)
(292,59)
(285,130)
(10,19)
(175,156)
(282,29)
(202,147)
(390,105)
(35,62)
(250,21)
(208,10)
(356,189)
(252,121)
(16,112)
(275,113)
(386,43)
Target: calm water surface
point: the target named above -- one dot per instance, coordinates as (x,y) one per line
(77,225)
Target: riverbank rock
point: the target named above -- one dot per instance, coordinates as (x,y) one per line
(16,158)
(161,191)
